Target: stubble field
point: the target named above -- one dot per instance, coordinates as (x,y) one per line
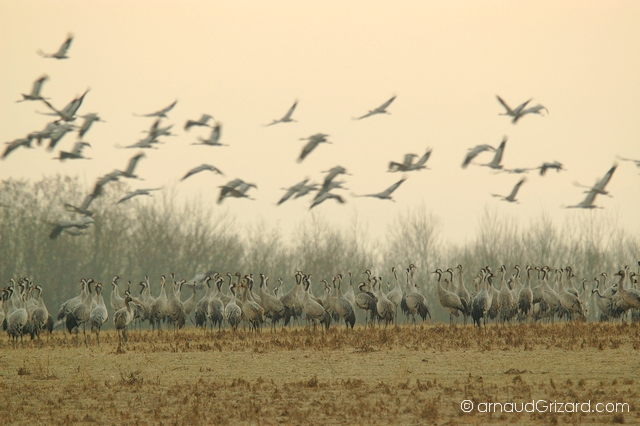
(404,375)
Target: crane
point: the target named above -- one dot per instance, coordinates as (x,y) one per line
(474,152)
(12,146)
(287,117)
(598,188)
(515,113)
(133,162)
(61,225)
(75,154)
(386,194)
(497,158)
(68,113)
(213,139)
(314,141)
(382,109)
(204,119)
(136,193)
(35,90)
(202,168)
(161,113)
(512,196)
(62,51)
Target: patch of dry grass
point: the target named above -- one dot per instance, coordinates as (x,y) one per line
(404,375)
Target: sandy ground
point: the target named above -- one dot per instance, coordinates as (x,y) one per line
(404,375)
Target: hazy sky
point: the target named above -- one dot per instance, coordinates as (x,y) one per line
(245,62)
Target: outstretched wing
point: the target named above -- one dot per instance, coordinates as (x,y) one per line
(65,46)
(287,116)
(386,104)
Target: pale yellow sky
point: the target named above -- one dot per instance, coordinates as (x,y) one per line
(246,62)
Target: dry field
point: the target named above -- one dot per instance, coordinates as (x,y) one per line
(404,375)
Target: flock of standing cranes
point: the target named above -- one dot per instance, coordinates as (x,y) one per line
(238,188)
(231,300)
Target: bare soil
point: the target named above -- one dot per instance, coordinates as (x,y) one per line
(404,375)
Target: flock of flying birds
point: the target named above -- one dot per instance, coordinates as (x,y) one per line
(64,124)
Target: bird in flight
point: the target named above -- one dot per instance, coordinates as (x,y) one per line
(598,188)
(287,117)
(497,158)
(83,209)
(161,113)
(386,194)
(300,186)
(235,188)
(546,166)
(326,196)
(516,113)
(62,225)
(12,146)
(420,164)
(382,109)
(314,141)
(86,124)
(75,154)
(62,52)
(201,122)
(133,162)
(474,152)
(35,90)
(202,168)
(67,113)
(512,197)
(136,193)
(404,166)
(214,137)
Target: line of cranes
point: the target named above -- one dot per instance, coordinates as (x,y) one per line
(542,294)
(238,188)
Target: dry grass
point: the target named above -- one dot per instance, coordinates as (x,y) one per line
(404,375)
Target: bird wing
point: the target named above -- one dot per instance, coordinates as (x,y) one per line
(520,107)
(423,159)
(189,123)
(167,109)
(408,159)
(588,200)
(497,158)
(369,114)
(287,116)
(310,146)
(37,86)
(198,170)
(504,104)
(86,202)
(288,195)
(65,46)
(515,189)
(55,232)
(133,162)
(606,178)
(128,196)
(386,104)
(387,192)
